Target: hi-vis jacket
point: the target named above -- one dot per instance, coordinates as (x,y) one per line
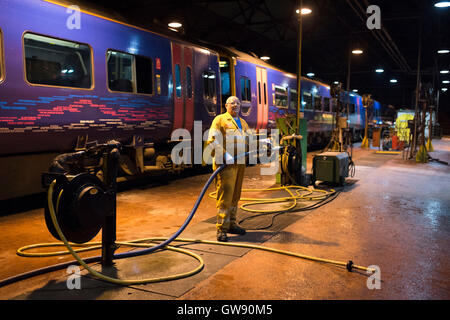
(225,136)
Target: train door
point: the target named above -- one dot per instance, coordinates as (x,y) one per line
(262,97)
(182,58)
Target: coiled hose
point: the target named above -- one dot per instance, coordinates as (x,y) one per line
(150,248)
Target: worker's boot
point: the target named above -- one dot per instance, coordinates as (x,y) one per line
(235,229)
(222,236)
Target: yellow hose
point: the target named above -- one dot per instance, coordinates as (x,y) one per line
(129,243)
(292,198)
(136,243)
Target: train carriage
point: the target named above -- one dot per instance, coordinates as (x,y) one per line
(63,86)
(106,80)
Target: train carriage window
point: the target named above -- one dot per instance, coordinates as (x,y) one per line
(209,84)
(307,101)
(333,105)
(318,103)
(129,73)
(225,78)
(246,94)
(144,75)
(281,99)
(178,80)
(120,71)
(55,62)
(326,104)
(293,97)
(189,82)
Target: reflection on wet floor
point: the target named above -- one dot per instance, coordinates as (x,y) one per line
(393,214)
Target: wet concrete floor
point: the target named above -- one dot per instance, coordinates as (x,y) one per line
(393,214)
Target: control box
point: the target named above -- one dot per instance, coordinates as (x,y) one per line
(330,167)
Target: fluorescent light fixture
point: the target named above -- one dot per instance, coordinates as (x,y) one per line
(311,74)
(265,58)
(304,11)
(445,81)
(357,51)
(443,51)
(442,4)
(204,51)
(444,89)
(336,82)
(175,25)
(355,90)
(444,71)
(379,70)
(394,81)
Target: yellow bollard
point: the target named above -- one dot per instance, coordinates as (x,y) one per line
(422,155)
(429,146)
(365,143)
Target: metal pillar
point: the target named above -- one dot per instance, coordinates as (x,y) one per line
(110,169)
(416,116)
(299,66)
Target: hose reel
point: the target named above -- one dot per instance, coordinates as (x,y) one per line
(292,170)
(84,204)
(81,202)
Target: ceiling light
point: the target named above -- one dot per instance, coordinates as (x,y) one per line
(304,11)
(355,90)
(379,70)
(442,4)
(265,58)
(310,74)
(445,81)
(175,25)
(444,89)
(336,82)
(394,81)
(444,71)
(443,51)
(357,51)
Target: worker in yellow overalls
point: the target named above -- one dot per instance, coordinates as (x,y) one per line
(229,134)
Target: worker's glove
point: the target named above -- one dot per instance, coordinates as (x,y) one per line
(228,158)
(268,143)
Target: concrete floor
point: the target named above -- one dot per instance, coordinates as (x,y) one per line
(393,214)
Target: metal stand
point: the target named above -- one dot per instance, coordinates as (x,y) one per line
(110,168)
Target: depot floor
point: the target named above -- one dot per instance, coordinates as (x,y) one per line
(393,214)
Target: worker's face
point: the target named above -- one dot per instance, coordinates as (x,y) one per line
(233,107)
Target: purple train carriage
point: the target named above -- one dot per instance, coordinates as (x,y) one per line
(268,93)
(62,88)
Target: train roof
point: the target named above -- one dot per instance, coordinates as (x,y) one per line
(113,16)
(254,59)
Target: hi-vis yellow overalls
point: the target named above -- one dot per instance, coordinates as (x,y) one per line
(228,181)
